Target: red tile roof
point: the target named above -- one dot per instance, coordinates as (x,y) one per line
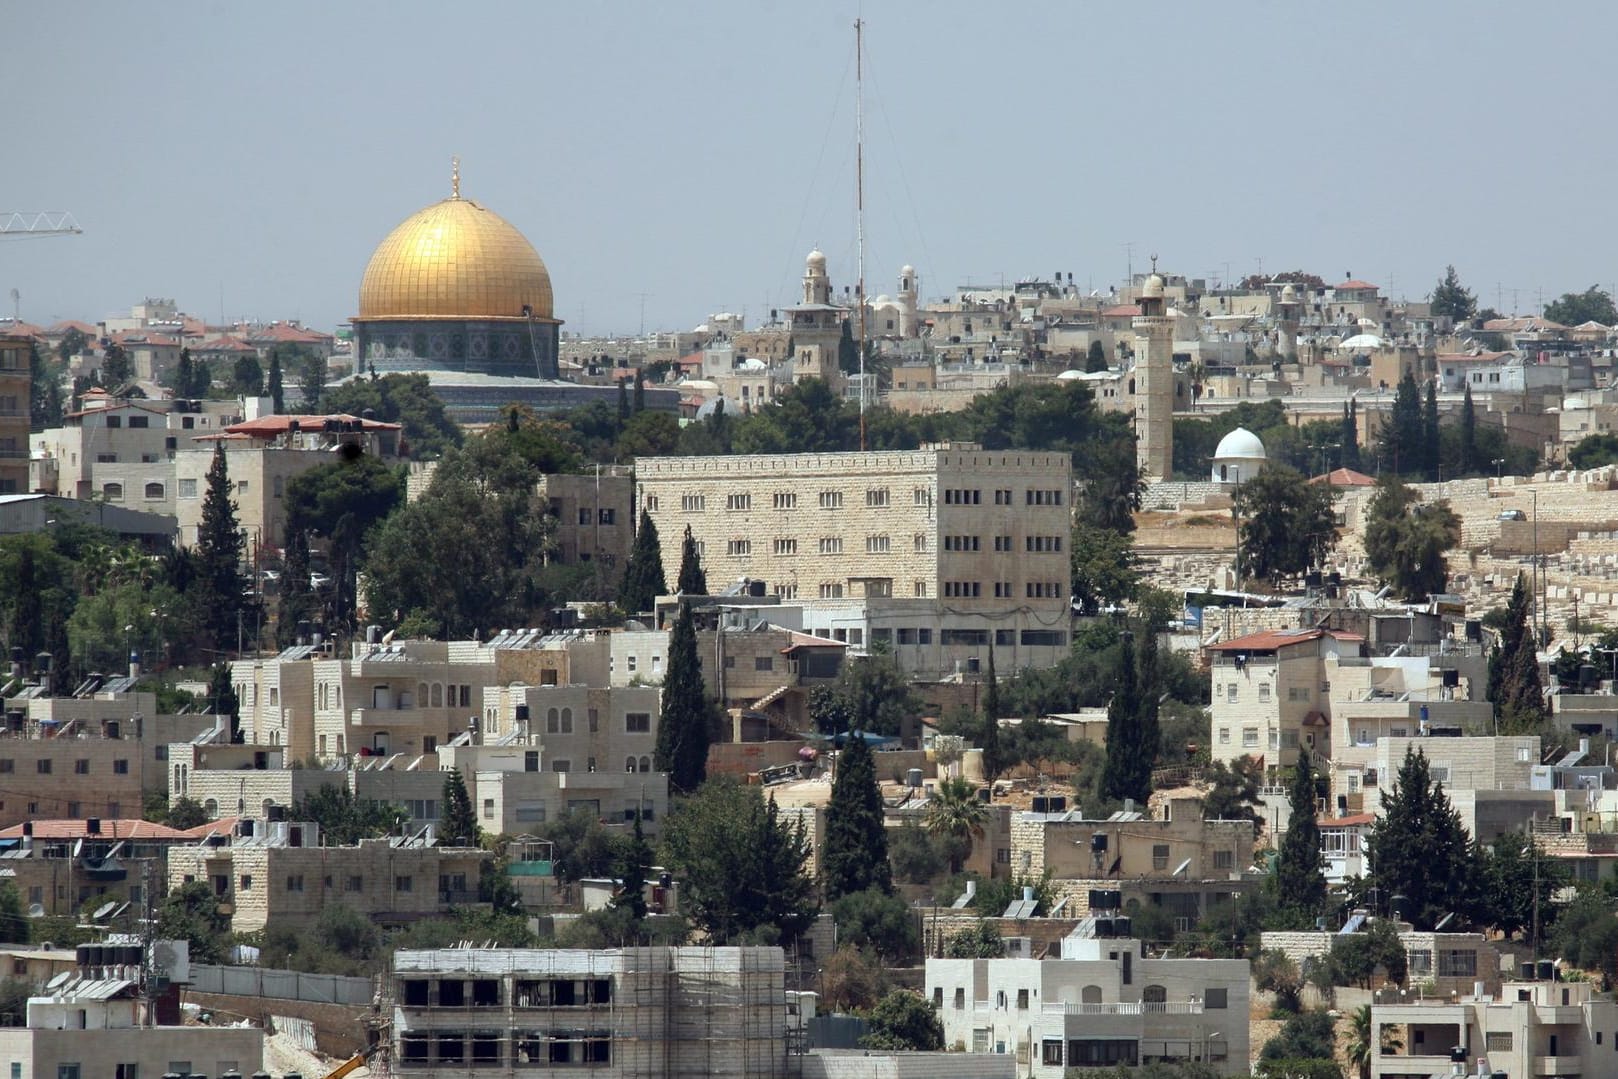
(1123,310)
(13,328)
(145,337)
(1271,639)
(222,826)
(1353,284)
(121,406)
(110,829)
(1345,477)
(282,331)
(74,324)
(224,344)
(270,426)
(1350,821)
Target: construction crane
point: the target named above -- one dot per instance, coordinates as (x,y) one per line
(22,225)
(354,1062)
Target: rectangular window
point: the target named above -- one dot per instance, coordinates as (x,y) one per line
(1216,998)
(963,589)
(739,547)
(961,543)
(488,809)
(638,722)
(404,884)
(43,766)
(831,500)
(247,882)
(1250,737)
(1223,859)
(1224,736)
(1002,590)
(81,767)
(1297,693)
(1002,496)
(1002,543)
(1043,498)
(1041,544)
(693,503)
(786,500)
(1263,691)
(1458,964)
(831,591)
(786,546)
(742,501)
(295,882)
(919,541)
(876,496)
(607,517)
(1044,589)
(1050,1052)
(1230,692)
(651,503)
(922,496)
(1497,1041)
(831,545)
(1160,856)
(354,883)
(876,544)
(764,663)
(127,1071)
(978,638)
(1045,637)
(68,1071)
(188,488)
(921,589)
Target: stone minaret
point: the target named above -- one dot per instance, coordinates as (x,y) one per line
(1154,382)
(907,302)
(1287,324)
(816,284)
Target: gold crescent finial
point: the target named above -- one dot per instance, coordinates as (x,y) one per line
(1154,263)
(455,177)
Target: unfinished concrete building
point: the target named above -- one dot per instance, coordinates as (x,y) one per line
(641,1012)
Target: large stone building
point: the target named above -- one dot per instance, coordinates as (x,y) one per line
(939,553)
(15,380)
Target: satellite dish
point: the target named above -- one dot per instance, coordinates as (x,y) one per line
(36,910)
(1179,870)
(102,911)
(58,981)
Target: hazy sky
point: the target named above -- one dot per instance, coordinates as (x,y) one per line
(245,158)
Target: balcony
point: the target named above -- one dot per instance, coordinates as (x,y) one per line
(1563,1065)
(1128,1007)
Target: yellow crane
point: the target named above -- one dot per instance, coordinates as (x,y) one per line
(354,1061)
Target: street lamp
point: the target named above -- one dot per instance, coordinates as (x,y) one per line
(1498,461)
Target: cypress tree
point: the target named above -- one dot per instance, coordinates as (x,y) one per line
(634,869)
(989,741)
(1151,692)
(222,699)
(692,581)
(1469,433)
(623,403)
(1300,875)
(25,628)
(1351,434)
(219,557)
(292,606)
(458,822)
(1418,848)
(643,575)
(278,401)
(682,730)
(854,856)
(1127,772)
(640,393)
(1515,688)
(1429,431)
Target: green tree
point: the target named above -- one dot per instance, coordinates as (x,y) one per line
(13,918)
(45,376)
(1468,433)
(458,821)
(1405,540)
(1418,848)
(643,574)
(127,617)
(1593,451)
(878,922)
(222,699)
(276,386)
(1275,972)
(581,847)
(1594,304)
(1349,436)
(1515,687)
(25,616)
(854,851)
(247,377)
(1514,869)
(116,369)
(692,581)
(954,813)
(742,870)
(1095,358)
(1364,1043)
(222,583)
(851,981)
(634,869)
(342,501)
(903,1021)
(312,381)
(1450,298)
(1102,567)
(917,857)
(1233,792)
(683,731)
(184,813)
(294,603)
(1429,434)
(191,913)
(345,819)
(1287,523)
(1128,771)
(979,941)
(1299,870)
(876,694)
(1307,1036)
(1586,931)
(1401,440)
(994,761)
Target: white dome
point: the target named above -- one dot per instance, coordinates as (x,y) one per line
(908,270)
(1069,375)
(1288,294)
(1153,289)
(752,363)
(817,260)
(1240,445)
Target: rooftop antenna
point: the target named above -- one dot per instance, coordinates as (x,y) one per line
(454,177)
(859,203)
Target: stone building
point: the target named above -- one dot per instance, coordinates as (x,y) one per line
(16,372)
(938,553)
(1154,378)
(649,1013)
(1103,1003)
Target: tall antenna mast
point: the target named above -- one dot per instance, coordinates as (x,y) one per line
(859,203)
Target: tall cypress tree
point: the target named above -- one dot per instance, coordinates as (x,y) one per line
(989,741)
(1351,434)
(1151,692)
(1299,871)
(634,868)
(682,729)
(458,821)
(25,624)
(223,700)
(640,393)
(1419,848)
(643,575)
(1515,687)
(1127,772)
(623,402)
(692,582)
(854,856)
(219,557)
(1429,433)
(293,605)
(61,673)
(1469,433)
(277,391)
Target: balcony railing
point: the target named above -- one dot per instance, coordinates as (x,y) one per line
(1128,1007)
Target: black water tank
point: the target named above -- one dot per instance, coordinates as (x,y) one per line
(1098,841)
(522,713)
(92,826)
(277,813)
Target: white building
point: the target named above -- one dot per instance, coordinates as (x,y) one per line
(1103,1003)
(1239,456)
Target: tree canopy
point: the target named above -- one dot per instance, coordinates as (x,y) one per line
(1594,304)
(1450,297)
(1405,540)
(854,852)
(1287,523)
(683,730)
(405,399)
(1418,848)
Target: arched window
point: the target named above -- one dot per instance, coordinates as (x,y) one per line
(646,764)
(421,693)
(629,764)
(154,490)
(211,807)
(438,695)
(1154,995)
(265,808)
(567,721)
(552,721)
(112,492)
(1090,994)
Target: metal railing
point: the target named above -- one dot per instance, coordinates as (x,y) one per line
(1135,1007)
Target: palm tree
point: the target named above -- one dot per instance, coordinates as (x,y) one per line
(954,812)
(1198,374)
(1359,1041)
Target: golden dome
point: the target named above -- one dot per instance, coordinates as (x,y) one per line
(455,259)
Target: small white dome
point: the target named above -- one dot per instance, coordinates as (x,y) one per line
(907,270)
(1069,375)
(1240,445)
(1153,289)
(817,259)
(1288,294)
